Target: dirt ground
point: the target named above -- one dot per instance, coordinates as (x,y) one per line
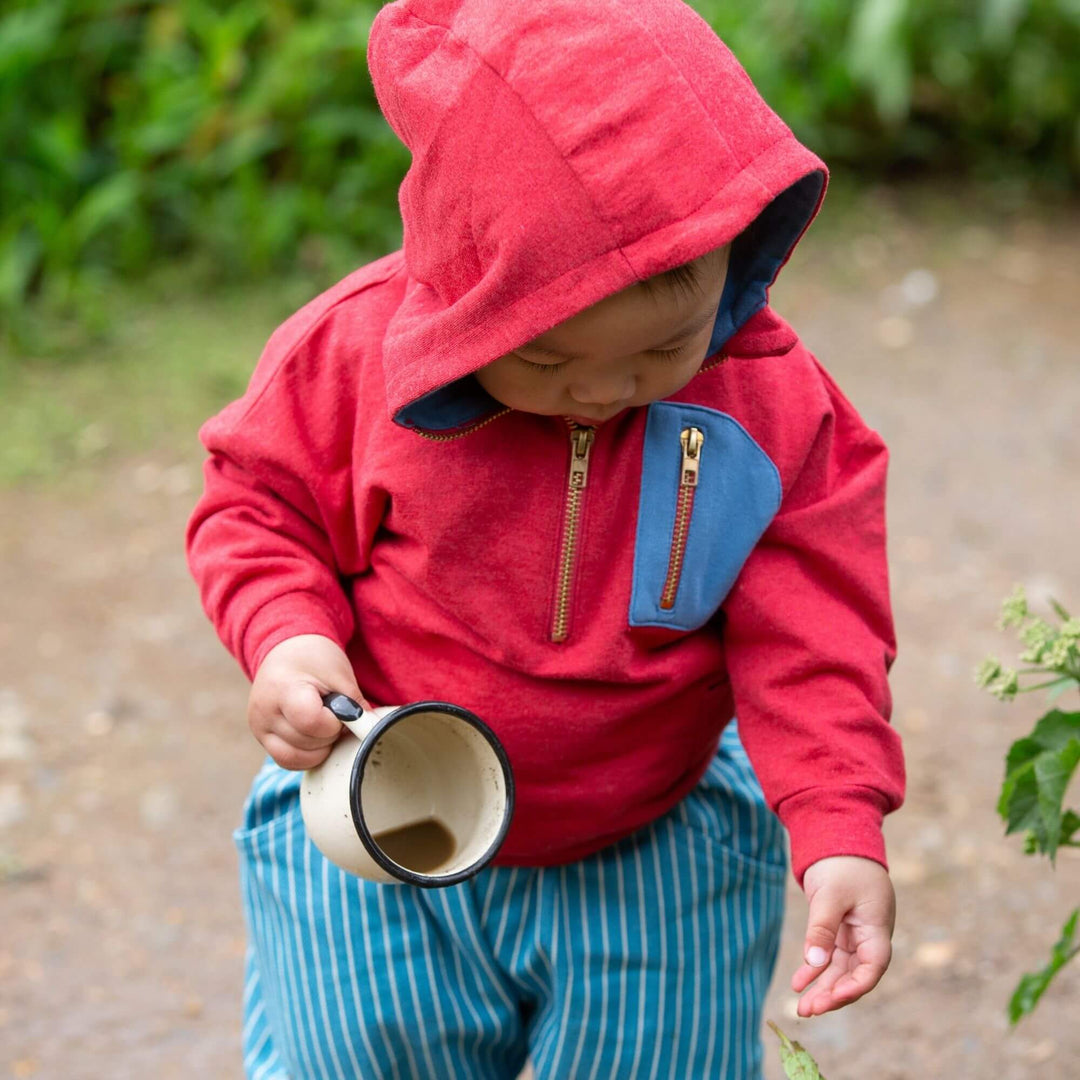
(124,756)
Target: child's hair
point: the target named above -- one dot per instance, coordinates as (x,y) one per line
(684,279)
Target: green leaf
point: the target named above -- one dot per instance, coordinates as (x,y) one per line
(20,255)
(27,35)
(102,205)
(1053,771)
(1000,18)
(879,57)
(1038,769)
(1031,986)
(1054,730)
(1066,682)
(1062,613)
(798,1064)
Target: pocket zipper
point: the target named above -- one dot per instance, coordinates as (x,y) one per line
(692,440)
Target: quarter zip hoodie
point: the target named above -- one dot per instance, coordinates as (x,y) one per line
(606,599)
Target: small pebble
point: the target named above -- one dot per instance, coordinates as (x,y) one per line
(98,723)
(964,854)
(147,478)
(177,480)
(158,807)
(919,287)
(15,743)
(908,871)
(895,332)
(914,720)
(935,954)
(12,805)
(1042,1051)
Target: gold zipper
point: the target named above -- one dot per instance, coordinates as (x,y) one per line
(581,440)
(713,363)
(692,440)
(459,434)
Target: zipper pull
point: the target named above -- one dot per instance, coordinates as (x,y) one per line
(579,462)
(692,440)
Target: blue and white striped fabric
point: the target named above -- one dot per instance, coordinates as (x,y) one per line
(648,960)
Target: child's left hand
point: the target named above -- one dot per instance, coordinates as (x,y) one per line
(848,932)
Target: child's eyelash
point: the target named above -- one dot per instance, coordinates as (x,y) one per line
(668,354)
(548,369)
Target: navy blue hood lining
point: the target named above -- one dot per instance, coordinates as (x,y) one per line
(757,254)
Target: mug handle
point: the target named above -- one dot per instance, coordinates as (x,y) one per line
(343,707)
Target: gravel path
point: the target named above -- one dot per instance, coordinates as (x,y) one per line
(124,755)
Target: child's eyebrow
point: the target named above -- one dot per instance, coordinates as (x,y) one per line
(686,331)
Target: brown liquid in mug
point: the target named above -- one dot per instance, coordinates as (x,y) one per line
(421,847)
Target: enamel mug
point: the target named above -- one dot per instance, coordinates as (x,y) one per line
(419,793)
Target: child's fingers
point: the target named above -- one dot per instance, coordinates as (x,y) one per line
(827,911)
(848,977)
(818,998)
(302,707)
(871,962)
(284,730)
(804,977)
(293,757)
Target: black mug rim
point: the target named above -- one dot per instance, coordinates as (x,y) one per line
(401,873)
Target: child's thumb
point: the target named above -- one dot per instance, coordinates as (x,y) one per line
(823,924)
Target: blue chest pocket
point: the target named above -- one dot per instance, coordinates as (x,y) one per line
(708,492)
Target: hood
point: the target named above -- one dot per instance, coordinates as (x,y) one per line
(562,151)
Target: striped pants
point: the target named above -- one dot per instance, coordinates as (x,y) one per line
(649,959)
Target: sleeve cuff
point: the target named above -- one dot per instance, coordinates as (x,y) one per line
(284,617)
(822,822)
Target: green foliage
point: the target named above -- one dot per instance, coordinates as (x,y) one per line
(1031,986)
(798,1064)
(135,130)
(1039,767)
(247,130)
(949,84)
(1037,772)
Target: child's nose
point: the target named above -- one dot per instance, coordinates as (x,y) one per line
(604,391)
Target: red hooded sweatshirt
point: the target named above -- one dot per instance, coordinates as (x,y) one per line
(606,599)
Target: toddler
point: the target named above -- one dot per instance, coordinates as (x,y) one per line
(558,461)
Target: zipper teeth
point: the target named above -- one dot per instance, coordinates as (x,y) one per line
(461,434)
(562,604)
(713,363)
(560,623)
(678,546)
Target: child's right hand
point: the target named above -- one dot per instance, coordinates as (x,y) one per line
(285,709)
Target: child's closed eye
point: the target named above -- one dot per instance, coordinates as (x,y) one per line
(548,369)
(669,354)
(656,354)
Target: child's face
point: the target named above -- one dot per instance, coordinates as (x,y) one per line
(629,349)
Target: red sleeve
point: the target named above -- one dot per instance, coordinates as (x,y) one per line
(809,640)
(267,540)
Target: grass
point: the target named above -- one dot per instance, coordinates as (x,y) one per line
(173,353)
(175,348)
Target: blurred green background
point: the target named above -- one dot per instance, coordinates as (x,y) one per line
(176,178)
(186,146)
